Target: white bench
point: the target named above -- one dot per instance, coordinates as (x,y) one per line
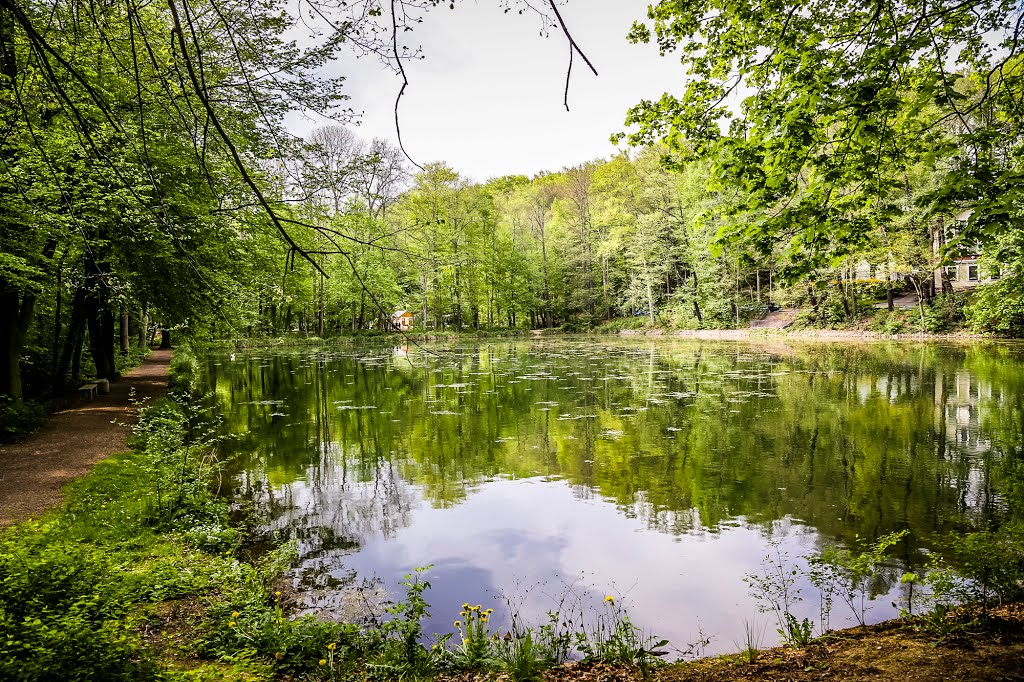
(87,391)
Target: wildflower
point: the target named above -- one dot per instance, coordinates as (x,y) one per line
(457,623)
(231,624)
(330,647)
(488,612)
(278,593)
(610,599)
(323,661)
(465,605)
(483,619)
(234,614)
(278,655)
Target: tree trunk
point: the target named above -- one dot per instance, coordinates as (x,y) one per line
(15,316)
(426,294)
(548,321)
(100,320)
(320,309)
(696,306)
(165,339)
(143,328)
(76,355)
(888,295)
(124,329)
(650,302)
(15,307)
(55,354)
(70,355)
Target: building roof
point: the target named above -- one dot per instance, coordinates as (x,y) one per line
(400,313)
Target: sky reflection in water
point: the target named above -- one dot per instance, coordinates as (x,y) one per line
(654,471)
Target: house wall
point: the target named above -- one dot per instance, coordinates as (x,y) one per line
(966,274)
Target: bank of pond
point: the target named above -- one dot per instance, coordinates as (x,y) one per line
(541,507)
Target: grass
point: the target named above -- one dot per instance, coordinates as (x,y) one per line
(750,646)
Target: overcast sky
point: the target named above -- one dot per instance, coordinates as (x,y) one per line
(488,97)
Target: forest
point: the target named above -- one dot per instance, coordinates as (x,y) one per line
(151,184)
(851,167)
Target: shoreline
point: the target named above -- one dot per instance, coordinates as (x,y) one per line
(806,334)
(738,335)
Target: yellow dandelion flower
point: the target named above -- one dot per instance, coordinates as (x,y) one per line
(231,624)
(330,647)
(234,614)
(323,661)
(457,623)
(488,612)
(610,599)
(278,655)
(278,593)
(483,619)
(465,605)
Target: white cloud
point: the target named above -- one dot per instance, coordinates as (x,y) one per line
(488,97)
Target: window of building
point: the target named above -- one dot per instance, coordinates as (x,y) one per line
(951,273)
(972,273)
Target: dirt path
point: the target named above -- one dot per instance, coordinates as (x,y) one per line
(780,319)
(33,473)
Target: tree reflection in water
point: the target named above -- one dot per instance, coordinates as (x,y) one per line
(377,460)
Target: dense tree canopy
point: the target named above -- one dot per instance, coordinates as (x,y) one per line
(145,169)
(821,110)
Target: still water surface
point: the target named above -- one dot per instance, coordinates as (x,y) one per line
(657,471)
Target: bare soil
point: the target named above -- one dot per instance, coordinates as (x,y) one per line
(893,650)
(990,650)
(34,472)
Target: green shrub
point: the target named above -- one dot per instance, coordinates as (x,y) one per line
(184,369)
(998,308)
(831,311)
(74,589)
(893,322)
(19,418)
(850,573)
(988,566)
(125,361)
(621,323)
(945,313)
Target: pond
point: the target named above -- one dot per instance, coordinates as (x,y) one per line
(657,471)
